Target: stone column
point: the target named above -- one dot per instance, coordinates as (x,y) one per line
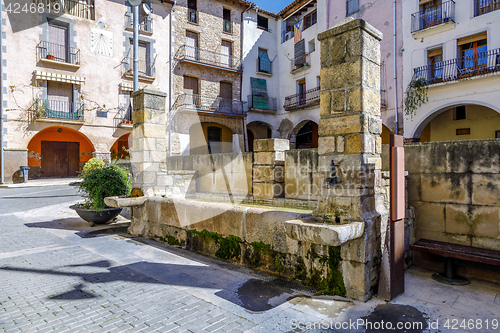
(149,144)
(350,145)
(268,168)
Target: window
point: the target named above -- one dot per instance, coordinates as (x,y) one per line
(435,61)
(318,81)
(80,8)
(432,13)
(192,11)
(58,42)
(263,63)
(497,134)
(485,6)
(463,131)
(191,45)
(301,91)
(312,46)
(226,15)
(226,53)
(59,98)
(214,139)
(310,19)
(262,22)
(459,113)
(352,6)
(191,91)
(226,95)
(473,53)
(145,67)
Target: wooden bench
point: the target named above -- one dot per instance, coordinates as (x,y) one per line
(455,251)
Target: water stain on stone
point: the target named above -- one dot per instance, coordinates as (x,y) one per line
(259,295)
(392,315)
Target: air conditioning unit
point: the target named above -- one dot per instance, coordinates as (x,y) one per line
(288,35)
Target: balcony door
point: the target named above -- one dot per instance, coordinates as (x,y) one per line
(58,42)
(226,53)
(301,92)
(191,92)
(226,95)
(436,65)
(59,100)
(191,45)
(473,53)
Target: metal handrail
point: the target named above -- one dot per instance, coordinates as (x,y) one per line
(53,109)
(80,8)
(442,13)
(459,68)
(228,26)
(485,6)
(56,52)
(300,62)
(196,54)
(208,104)
(262,102)
(145,22)
(192,16)
(308,98)
(123,116)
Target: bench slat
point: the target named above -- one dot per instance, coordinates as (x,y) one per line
(464,252)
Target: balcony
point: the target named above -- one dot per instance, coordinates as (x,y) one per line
(123,117)
(59,111)
(56,54)
(260,103)
(208,104)
(81,8)
(304,100)
(194,55)
(228,26)
(193,16)
(485,6)
(300,62)
(145,23)
(440,14)
(146,70)
(460,68)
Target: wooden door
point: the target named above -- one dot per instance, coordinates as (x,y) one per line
(226,94)
(191,90)
(226,53)
(191,45)
(60,159)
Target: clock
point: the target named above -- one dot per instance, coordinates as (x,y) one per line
(101,41)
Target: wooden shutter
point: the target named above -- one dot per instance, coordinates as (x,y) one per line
(190,85)
(58,38)
(191,45)
(260,98)
(59,96)
(300,53)
(226,51)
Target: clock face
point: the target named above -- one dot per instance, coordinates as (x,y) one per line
(101,42)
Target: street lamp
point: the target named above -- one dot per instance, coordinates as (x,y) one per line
(135,24)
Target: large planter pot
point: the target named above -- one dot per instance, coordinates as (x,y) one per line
(96,217)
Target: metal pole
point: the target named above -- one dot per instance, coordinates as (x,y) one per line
(2,169)
(396,116)
(135,12)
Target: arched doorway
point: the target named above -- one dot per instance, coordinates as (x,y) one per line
(258,130)
(210,138)
(462,122)
(307,135)
(58,152)
(120,149)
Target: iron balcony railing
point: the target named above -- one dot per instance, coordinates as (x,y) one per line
(485,6)
(56,52)
(145,68)
(80,8)
(228,26)
(145,22)
(208,104)
(123,116)
(192,16)
(207,57)
(264,65)
(302,100)
(260,102)
(300,62)
(460,68)
(53,109)
(432,16)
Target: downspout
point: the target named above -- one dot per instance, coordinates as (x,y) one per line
(2,169)
(242,36)
(170,78)
(395,69)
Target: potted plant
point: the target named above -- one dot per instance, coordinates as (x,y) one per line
(99,181)
(50,57)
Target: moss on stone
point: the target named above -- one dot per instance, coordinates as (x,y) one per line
(227,247)
(171,240)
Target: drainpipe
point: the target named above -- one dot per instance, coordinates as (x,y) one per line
(170,79)
(242,36)
(2,169)
(395,69)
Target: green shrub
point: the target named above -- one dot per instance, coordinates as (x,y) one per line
(99,183)
(93,163)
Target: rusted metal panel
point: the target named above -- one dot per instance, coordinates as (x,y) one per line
(397,183)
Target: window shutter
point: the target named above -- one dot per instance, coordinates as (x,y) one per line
(260,98)
(300,53)
(471,39)
(264,61)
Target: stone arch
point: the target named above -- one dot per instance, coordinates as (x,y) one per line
(419,127)
(58,151)
(210,137)
(120,148)
(305,135)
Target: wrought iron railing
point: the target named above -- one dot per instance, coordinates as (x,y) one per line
(302,100)
(300,62)
(485,6)
(259,102)
(196,54)
(123,116)
(56,52)
(145,68)
(80,8)
(228,26)
(264,65)
(145,22)
(53,109)
(430,17)
(460,68)
(192,16)
(208,104)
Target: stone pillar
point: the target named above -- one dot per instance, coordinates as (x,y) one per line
(350,145)
(269,168)
(149,144)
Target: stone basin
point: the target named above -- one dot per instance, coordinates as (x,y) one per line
(322,233)
(122,202)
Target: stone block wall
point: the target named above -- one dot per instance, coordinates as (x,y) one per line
(302,177)
(269,168)
(454,188)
